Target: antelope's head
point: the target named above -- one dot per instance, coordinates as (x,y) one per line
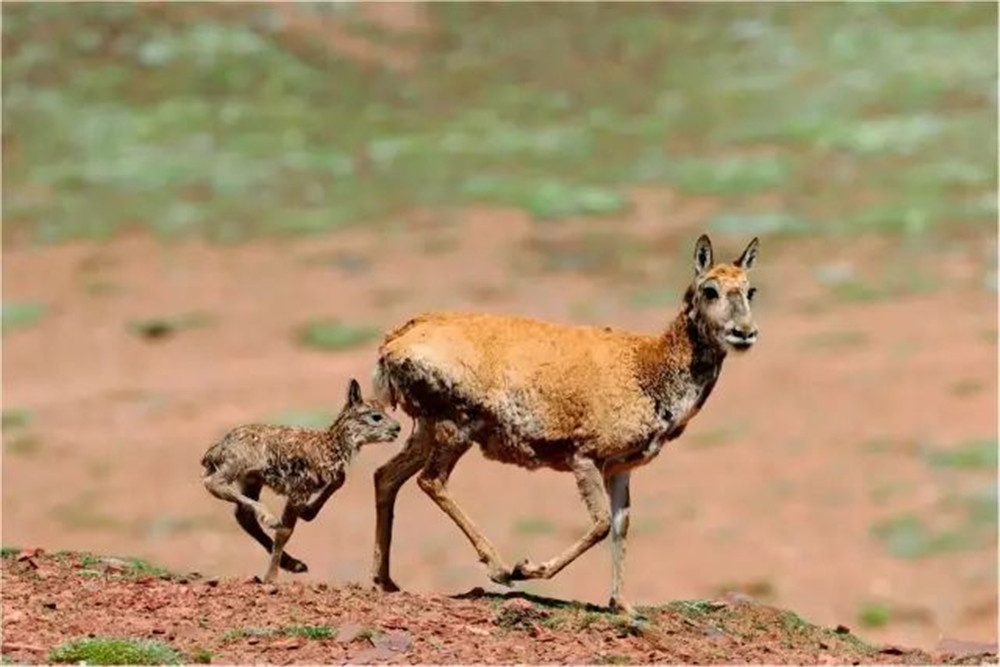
(720,296)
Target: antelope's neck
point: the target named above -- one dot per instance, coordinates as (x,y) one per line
(679,368)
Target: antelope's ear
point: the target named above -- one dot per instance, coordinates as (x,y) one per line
(354,393)
(702,255)
(749,256)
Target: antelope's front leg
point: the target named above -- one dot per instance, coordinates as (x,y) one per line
(618,493)
(590,483)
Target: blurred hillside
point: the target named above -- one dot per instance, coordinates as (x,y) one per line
(230,121)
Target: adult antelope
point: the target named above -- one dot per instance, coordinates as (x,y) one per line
(592,401)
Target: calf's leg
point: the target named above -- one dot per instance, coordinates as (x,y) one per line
(281,536)
(248,522)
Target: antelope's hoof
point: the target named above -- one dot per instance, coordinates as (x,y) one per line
(501,575)
(620,606)
(527,570)
(294,565)
(386,585)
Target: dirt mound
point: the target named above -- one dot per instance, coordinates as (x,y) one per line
(52,599)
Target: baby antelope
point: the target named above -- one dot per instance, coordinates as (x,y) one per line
(295,463)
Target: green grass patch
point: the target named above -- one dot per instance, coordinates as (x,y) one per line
(966,387)
(162,327)
(907,536)
(533,525)
(861,117)
(310,631)
(732,175)
(200,656)
(972,455)
(126,567)
(836,340)
(16,418)
(874,615)
(334,335)
(249,631)
(306,631)
(304,418)
(695,607)
(19,315)
(110,651)
(792,622)
(10,552)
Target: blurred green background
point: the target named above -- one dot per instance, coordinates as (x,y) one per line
(232,121)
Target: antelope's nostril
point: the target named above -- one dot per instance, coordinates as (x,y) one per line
(745,334)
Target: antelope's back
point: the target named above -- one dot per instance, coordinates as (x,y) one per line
(552,381)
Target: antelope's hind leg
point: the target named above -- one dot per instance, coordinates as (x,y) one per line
(450,443)
(590,483)
(248,522)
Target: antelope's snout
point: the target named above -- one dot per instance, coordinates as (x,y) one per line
(741,337)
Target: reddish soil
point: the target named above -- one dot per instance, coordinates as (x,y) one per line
(51,599)
(808,442)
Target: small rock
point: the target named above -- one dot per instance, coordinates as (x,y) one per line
(482,632)
(891,650)
(49,604)
(158,631)
(253,580)
(271,589)
(253,640)
(288,644)
(349,632)
(212,582)
(112,564)
(961,647)
(27,561)
(394,641)
(29,554)
(842,630)
(377,655)
(321,586)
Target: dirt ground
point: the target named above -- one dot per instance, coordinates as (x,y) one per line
(808,442)
(243,622)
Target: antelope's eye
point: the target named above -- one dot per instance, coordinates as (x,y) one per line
(750,293)
(375,417)
(710,292)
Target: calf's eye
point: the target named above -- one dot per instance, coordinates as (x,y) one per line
(375,417)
